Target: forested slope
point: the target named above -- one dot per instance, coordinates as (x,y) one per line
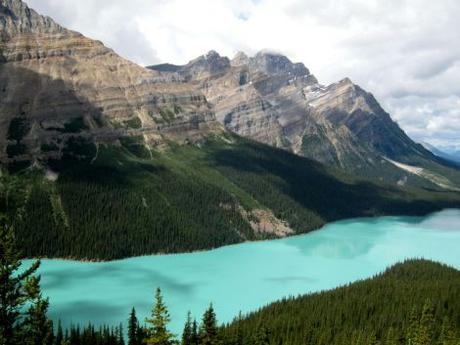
(415,302)
(120,201)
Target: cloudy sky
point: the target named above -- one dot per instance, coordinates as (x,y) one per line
(406,52)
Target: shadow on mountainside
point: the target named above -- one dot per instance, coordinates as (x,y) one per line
(47,121)
(275,176)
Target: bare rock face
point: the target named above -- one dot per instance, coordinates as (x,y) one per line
(346,104)
(275,101)
(266,97)
(205,66)
(257,97)
(57,85)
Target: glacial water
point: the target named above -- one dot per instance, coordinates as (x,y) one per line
(247,276)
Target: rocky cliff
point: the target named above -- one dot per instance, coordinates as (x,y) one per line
(275,101)
(57,85)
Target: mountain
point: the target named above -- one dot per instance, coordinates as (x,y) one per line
(274,101)
(59,87)
(102,158)
(450,156)
(390,308)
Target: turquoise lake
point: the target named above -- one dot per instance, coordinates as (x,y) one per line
(247,276)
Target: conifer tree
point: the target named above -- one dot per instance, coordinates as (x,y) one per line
(59,334)
(447,335)
(194,338)
(158,333)
(391,337)
(141,335)
(371,339)
(38,329)
(208,334)
(412,330)
(425,331)
(187,332)
(16,288)
(133,327)
(261,337)
(238,338)
(120,337)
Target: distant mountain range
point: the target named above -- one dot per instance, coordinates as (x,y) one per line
(102,158)
(274,101)
(451,155)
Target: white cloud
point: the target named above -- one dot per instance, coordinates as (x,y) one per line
(406,52)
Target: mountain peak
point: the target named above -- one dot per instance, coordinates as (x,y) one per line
(16,17)
(212,54)
(62,86)
(275,63)
(346,81)
(240,59)
(207,64)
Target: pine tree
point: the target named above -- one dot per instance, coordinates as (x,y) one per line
(59,335)
(447,335)
(38,329)
(133,327)
(158,333)
(120,337)
(261,337)
(15,288)
(187,332)
(412,329)
(391,337)
(208,334)
(141,335)
(425,331)
(194,338)
(238,337)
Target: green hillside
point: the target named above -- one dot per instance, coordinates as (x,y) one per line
(118,201)
(415,302)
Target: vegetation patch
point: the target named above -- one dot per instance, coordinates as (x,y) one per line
(18,128)
(14,150)
(49,147)
(134,123)
(76,125)
(167,115)
(136,146)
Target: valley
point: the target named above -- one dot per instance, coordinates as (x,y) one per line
(284,210)
(104,159)
(246,277)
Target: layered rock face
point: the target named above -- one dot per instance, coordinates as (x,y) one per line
(272,100)
(266,97)
(346,104)
(64,94)
(57,85)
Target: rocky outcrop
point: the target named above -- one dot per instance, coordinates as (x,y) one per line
(57,84)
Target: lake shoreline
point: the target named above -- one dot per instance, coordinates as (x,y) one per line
(96,261)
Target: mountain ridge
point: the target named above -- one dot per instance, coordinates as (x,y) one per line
(52,78)
(270,99)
